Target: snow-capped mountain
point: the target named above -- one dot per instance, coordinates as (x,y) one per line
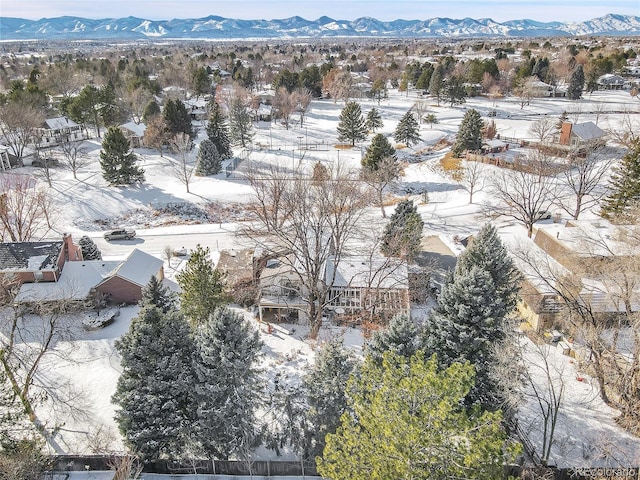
(215,27)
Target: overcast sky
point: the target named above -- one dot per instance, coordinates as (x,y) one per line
(499,10)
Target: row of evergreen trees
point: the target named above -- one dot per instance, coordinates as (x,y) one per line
(354,127)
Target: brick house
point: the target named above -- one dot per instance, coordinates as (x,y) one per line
(28,262)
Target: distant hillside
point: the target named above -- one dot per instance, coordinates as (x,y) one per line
(213,27)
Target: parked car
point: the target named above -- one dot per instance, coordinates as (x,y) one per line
(45,162)
(121,234)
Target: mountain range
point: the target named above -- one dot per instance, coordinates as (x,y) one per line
(215,27)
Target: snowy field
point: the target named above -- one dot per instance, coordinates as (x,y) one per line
(88,206)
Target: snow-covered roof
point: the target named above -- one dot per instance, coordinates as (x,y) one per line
(593,238)
(60,123)
(138,268)
(587,131)
(75,283)
(136,128)
(264,109)
(495,143)
(361,271)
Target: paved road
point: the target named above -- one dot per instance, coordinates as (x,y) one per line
(155,241)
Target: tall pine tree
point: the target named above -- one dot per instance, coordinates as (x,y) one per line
(227,384)
(407,131)
(623,202)
(469,133)
(380,148)
(208,161)
(117,160)
(154,294)
(218,131)
(403,234)
(201,287)
(240,125)
(465,326)
(489,253)
(576,84)
(155,408)
(352,125)
(401,336)
(325,386)
(178,118)
(374,120)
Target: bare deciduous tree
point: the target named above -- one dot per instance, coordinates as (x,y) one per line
(74,156)
(584,179)
(305,222)
(285,104)
(543,130)
(420,108)
(25,209)
(627,132)
(18,124)
(381,178)
(596,298)
(183,168)
(472,178)
(526,192)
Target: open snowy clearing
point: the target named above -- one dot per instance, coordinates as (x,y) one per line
(89,206)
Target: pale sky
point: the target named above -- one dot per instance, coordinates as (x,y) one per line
(498,10)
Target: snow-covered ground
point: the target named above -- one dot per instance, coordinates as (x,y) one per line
(88,206)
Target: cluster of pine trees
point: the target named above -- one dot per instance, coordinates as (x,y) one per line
(190,386)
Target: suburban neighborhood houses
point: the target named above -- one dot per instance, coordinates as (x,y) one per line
(341,258)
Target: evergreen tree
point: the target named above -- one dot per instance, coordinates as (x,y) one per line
(352,124)
(208,161)
(403,234)
(407,421)
(623,202)
(218,131)
(576,84)
(201,285)
(425,78)
(469,133)
(177,118)
(90,250)
(118,161)
(240,123)
(154,391)
(380,148)
(227,388)
(454,91)
(436,83)
(401,336)
(487,251)
(325,386)
(374,120)
(407,131)
(465,326)
(151,110)
(155,294)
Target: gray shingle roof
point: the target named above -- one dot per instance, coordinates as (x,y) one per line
(30,256)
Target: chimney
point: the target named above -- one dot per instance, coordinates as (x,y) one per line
(72,252)
(565,133)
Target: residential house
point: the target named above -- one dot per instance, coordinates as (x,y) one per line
(88,281)
(27,262)
(375,285)
(134,132)
(197,108)
(610,81)
(124,283)
(58,130)
(577,253)
(280,292)
(580,134)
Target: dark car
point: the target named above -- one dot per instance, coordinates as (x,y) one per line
(121,234)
